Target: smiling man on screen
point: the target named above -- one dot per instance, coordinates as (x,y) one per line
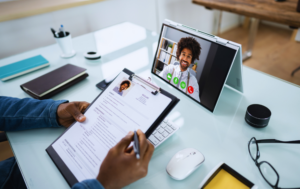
(179,75)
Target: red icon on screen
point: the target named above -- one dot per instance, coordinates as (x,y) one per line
(190,89)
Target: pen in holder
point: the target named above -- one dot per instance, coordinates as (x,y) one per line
(66,45)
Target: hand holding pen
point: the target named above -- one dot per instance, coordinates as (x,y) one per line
(121,163)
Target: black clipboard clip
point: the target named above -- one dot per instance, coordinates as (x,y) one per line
(148,83)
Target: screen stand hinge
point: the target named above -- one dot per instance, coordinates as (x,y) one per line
(221,41)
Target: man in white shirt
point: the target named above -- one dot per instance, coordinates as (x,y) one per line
(188,50)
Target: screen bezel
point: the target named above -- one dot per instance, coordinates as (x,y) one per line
(157,48)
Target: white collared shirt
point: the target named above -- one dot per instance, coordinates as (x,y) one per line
(182,76)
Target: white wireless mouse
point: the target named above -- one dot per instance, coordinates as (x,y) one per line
(184,162)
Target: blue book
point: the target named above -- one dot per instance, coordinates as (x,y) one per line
(22,67)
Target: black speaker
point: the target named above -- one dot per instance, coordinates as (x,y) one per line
(257,115)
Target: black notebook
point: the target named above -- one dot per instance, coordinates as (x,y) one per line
(54,82)
(127,104)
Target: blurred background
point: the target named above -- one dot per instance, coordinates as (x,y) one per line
(25,25)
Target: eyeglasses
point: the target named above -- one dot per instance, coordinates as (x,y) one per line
(265,168)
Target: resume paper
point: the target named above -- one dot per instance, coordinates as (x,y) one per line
(124,106)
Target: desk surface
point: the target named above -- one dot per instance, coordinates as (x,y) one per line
(222,136)
(282,12)
(10,10)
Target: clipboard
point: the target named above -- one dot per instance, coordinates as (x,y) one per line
(61,165)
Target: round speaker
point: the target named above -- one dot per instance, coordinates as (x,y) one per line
(257,115)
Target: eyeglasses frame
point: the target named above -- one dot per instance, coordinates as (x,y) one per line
(258,164)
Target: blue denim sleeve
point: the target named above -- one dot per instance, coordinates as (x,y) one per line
(21,114)
(88,184)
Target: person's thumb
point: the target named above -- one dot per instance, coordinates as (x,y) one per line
(124,142)
(77,115)
(80,118)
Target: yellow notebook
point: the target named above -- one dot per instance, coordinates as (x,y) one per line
(224,180)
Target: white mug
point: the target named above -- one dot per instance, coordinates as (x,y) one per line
(66,45)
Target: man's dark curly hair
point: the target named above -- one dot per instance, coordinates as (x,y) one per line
(190,43)
(126,81)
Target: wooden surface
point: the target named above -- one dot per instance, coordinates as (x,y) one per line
(273,52)
(18,9)
(281,12)
(5,150)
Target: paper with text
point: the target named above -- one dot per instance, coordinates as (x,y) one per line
(124,106)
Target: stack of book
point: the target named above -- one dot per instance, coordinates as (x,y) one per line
(173,60)
(163,56)
(175,49)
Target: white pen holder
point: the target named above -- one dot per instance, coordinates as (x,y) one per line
(66,45)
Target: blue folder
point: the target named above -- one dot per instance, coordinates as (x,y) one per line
(22,67)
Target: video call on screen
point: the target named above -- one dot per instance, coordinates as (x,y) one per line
(193,65)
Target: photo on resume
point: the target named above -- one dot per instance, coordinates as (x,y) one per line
(123,87)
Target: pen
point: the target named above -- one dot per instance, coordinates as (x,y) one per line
(136,146)
(54,32)
(62,29)
(60,33)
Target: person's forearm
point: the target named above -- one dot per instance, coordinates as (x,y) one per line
(21,114)
(88,184)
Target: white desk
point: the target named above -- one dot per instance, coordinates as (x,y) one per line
(222,136)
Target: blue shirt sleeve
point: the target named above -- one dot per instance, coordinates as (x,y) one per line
(88,184)
(22,114)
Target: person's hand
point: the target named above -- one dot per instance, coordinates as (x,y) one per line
(120,166)
(67,113)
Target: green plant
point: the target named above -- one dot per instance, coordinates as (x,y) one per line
(196,63)
(170,46)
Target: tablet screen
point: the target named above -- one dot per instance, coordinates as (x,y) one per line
(195,66)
